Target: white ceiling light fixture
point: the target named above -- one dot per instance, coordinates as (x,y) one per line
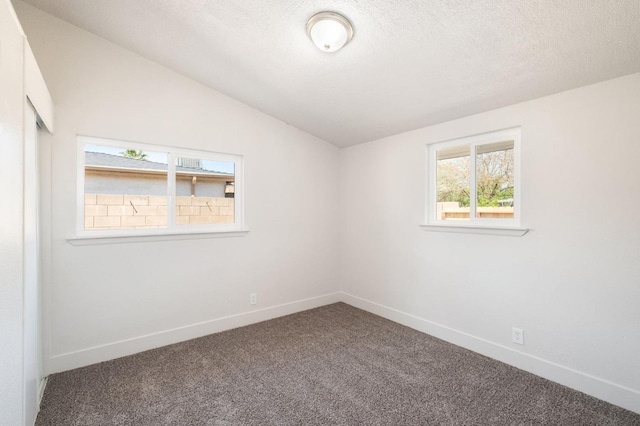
(329,31)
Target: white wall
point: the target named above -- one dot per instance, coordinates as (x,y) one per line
(11,217)
(572,283)
(105,301)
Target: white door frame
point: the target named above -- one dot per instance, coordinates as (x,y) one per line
(32,313)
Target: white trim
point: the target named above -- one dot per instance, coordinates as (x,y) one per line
(472,142)
(36,89)
(41,388)
(482,230)
(96,354)
(473,185)
(80,171)
(238,204)
(32,355)
(171,231)
(182,152)
(16,20)
(600,388)
(171,191)
(88,240)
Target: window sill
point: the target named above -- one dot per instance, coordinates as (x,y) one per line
(481,230)
(89,240)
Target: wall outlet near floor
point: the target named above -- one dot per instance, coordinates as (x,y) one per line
(253,298)
(517,335)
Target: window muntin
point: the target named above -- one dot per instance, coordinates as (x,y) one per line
(138,189)
(474,181)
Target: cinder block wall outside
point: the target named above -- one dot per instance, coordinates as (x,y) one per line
(109,211)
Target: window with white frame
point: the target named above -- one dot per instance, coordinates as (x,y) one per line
(130,188)
(474,181)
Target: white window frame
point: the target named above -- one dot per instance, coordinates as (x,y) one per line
(474,224)
(172,229)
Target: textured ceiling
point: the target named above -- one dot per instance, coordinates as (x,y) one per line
(411,63)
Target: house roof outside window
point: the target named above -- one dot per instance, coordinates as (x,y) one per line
(102,161)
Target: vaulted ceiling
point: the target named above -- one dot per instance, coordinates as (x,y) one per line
(411,63)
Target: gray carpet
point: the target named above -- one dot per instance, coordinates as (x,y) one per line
(335,365)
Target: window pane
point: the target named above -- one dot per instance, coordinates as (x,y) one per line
(452,183)
(204,191)
(124,188)
(494,178)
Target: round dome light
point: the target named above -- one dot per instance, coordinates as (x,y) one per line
(329,31)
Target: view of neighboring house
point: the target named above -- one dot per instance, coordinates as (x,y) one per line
(126,193)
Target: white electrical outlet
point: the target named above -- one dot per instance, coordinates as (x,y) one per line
(253,298)
(517,335)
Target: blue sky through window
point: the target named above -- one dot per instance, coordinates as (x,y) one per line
(160,157)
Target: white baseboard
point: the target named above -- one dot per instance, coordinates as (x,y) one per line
(608,391)
(611,392)
(96,354)
(42,385)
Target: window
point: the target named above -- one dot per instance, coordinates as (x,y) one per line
(137,189)
(474,181)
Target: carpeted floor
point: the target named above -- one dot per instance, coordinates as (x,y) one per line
(335,365)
